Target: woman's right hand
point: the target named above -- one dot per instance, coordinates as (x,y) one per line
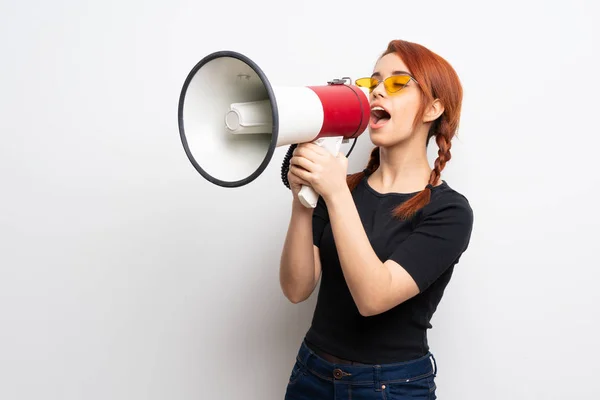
(295,182)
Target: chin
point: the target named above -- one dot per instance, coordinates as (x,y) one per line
(384,136)
(378,138)
(387,140)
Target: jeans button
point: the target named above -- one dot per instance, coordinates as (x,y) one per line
(337,373)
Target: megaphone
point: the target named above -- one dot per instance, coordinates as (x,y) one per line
(231,118)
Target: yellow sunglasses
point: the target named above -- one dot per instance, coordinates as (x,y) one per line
(392,84)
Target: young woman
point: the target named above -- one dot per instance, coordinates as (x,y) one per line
(384,242)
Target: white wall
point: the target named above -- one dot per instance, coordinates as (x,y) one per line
(124,275)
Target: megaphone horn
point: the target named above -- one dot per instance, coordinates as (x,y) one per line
(231,118)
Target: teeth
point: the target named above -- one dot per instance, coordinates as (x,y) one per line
(377,108)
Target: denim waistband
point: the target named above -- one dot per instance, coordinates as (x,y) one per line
(376,374)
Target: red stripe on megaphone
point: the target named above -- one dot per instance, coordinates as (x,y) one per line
(346,110)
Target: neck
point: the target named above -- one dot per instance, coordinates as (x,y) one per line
(403,168)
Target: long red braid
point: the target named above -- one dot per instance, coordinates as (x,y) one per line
(437,80)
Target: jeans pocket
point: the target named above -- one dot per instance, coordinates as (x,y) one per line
(422,388)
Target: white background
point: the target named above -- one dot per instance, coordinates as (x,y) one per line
(125,275)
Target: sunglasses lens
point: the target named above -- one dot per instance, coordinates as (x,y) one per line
(395,83)
(392,84)
(369,83)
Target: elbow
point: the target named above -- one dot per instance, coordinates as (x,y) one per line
(368,308)
(368,312)
(368,303)
(295,298)
(294,295)
(374,307)
(296,291)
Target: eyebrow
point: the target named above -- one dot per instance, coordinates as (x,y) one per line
(393,73)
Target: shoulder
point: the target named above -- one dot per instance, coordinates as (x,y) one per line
(449,206)
(445,197)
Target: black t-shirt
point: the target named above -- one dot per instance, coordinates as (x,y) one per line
(427,246)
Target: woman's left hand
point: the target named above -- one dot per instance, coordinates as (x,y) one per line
(325,172)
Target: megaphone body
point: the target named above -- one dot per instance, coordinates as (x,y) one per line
(231,118)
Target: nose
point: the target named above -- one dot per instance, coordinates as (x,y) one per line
(379,90)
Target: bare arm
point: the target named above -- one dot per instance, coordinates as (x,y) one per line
(378,286)
(375,286)
(300,266)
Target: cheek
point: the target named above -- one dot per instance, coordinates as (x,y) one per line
(403,116)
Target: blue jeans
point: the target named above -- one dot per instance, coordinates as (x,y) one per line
(314,378)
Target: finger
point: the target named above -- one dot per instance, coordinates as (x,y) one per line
(300,147)
(307,152)
(294,179)
(303,163)
(293,172)
(301,173)
(316,149)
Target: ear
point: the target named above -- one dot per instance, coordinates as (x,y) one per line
(434,110)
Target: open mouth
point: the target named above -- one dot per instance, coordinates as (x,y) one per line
(379,116)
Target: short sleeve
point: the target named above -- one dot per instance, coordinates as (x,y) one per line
(320,220)
(437,242)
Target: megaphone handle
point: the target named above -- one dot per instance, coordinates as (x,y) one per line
(307,196)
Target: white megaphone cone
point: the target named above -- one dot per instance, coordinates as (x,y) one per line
(231,119)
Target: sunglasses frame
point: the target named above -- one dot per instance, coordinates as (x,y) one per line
(380,81)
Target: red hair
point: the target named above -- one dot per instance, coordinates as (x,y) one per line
(437,80)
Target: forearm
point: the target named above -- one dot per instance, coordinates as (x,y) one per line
(365,274)
(297,267)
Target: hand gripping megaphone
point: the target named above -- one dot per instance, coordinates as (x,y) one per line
(231,118)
